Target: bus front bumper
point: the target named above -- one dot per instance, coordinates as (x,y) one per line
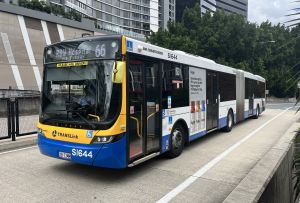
(111,155)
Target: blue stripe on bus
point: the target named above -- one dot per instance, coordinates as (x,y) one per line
(246,114)
(112,155)
(165,143)
(222,122)
(197,135)
(103,155)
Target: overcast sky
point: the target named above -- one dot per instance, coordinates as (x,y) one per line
(272,10)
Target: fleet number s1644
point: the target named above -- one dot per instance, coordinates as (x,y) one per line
(82,153)
(172,56)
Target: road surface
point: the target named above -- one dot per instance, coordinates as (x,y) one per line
(28,176)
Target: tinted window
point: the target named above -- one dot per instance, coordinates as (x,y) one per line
(260,89)
(175,84)
(248,88)
(227,87)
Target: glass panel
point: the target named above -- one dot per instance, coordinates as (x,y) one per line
(83,94)
(152,99)
(136,108)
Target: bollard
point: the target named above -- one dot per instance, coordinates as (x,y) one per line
(17,133)
(12,118)
(8,119)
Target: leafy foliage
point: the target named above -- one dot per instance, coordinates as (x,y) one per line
(270,51)
(50,8)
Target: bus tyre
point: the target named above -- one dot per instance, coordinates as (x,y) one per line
(257,112)
(230,122)
(177,141)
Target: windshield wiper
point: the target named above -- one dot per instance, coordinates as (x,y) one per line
(77,112)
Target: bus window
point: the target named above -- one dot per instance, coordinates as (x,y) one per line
(227,84)
(175,83)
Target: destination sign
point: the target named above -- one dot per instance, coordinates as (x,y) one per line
(71,64)
(82,50)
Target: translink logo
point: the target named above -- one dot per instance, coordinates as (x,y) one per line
(55,133)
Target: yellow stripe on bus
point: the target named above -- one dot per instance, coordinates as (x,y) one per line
(123,45)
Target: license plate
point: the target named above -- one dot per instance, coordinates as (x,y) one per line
(64,155)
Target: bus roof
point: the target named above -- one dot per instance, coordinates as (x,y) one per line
(147,49)
(143,48)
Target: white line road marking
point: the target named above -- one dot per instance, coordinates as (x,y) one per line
(16,150)
(273,104)
(173,193)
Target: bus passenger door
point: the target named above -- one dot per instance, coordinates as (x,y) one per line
(212,101)
(135,102)
(144,107)
(152,111)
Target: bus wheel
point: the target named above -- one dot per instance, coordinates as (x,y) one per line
(257,112)
(230,121)
(177,141)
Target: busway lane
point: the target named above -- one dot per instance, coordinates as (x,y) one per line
(30,177)
(225,175)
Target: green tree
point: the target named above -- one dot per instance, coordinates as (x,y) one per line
(267,50)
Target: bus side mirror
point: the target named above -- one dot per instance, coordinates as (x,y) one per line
(118,72)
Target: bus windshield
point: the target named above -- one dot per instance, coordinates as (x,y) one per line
(81,94)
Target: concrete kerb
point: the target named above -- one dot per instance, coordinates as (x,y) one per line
(21,142)
(254,184)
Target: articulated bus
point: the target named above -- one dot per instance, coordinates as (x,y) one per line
(115,102)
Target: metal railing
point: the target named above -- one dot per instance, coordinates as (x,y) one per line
(13,93)
(12,123)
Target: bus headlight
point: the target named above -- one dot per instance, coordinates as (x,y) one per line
(106,139)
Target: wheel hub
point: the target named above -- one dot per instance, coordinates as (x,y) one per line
(230,120)
(177,138)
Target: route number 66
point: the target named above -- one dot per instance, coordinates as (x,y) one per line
(100,51)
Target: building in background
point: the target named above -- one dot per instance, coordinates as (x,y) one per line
(205,5)
(233,6)
(138,16)
(167,12)
(181,5)
(229,6)
(208,6)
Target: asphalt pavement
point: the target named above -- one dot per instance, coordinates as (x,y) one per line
(28,176)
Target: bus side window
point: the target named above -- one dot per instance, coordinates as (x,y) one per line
(135,77)
(227,86)
(175,85)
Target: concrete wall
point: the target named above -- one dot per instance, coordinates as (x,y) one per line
(270,180)
(23,35)
(280,187)
(27,106)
